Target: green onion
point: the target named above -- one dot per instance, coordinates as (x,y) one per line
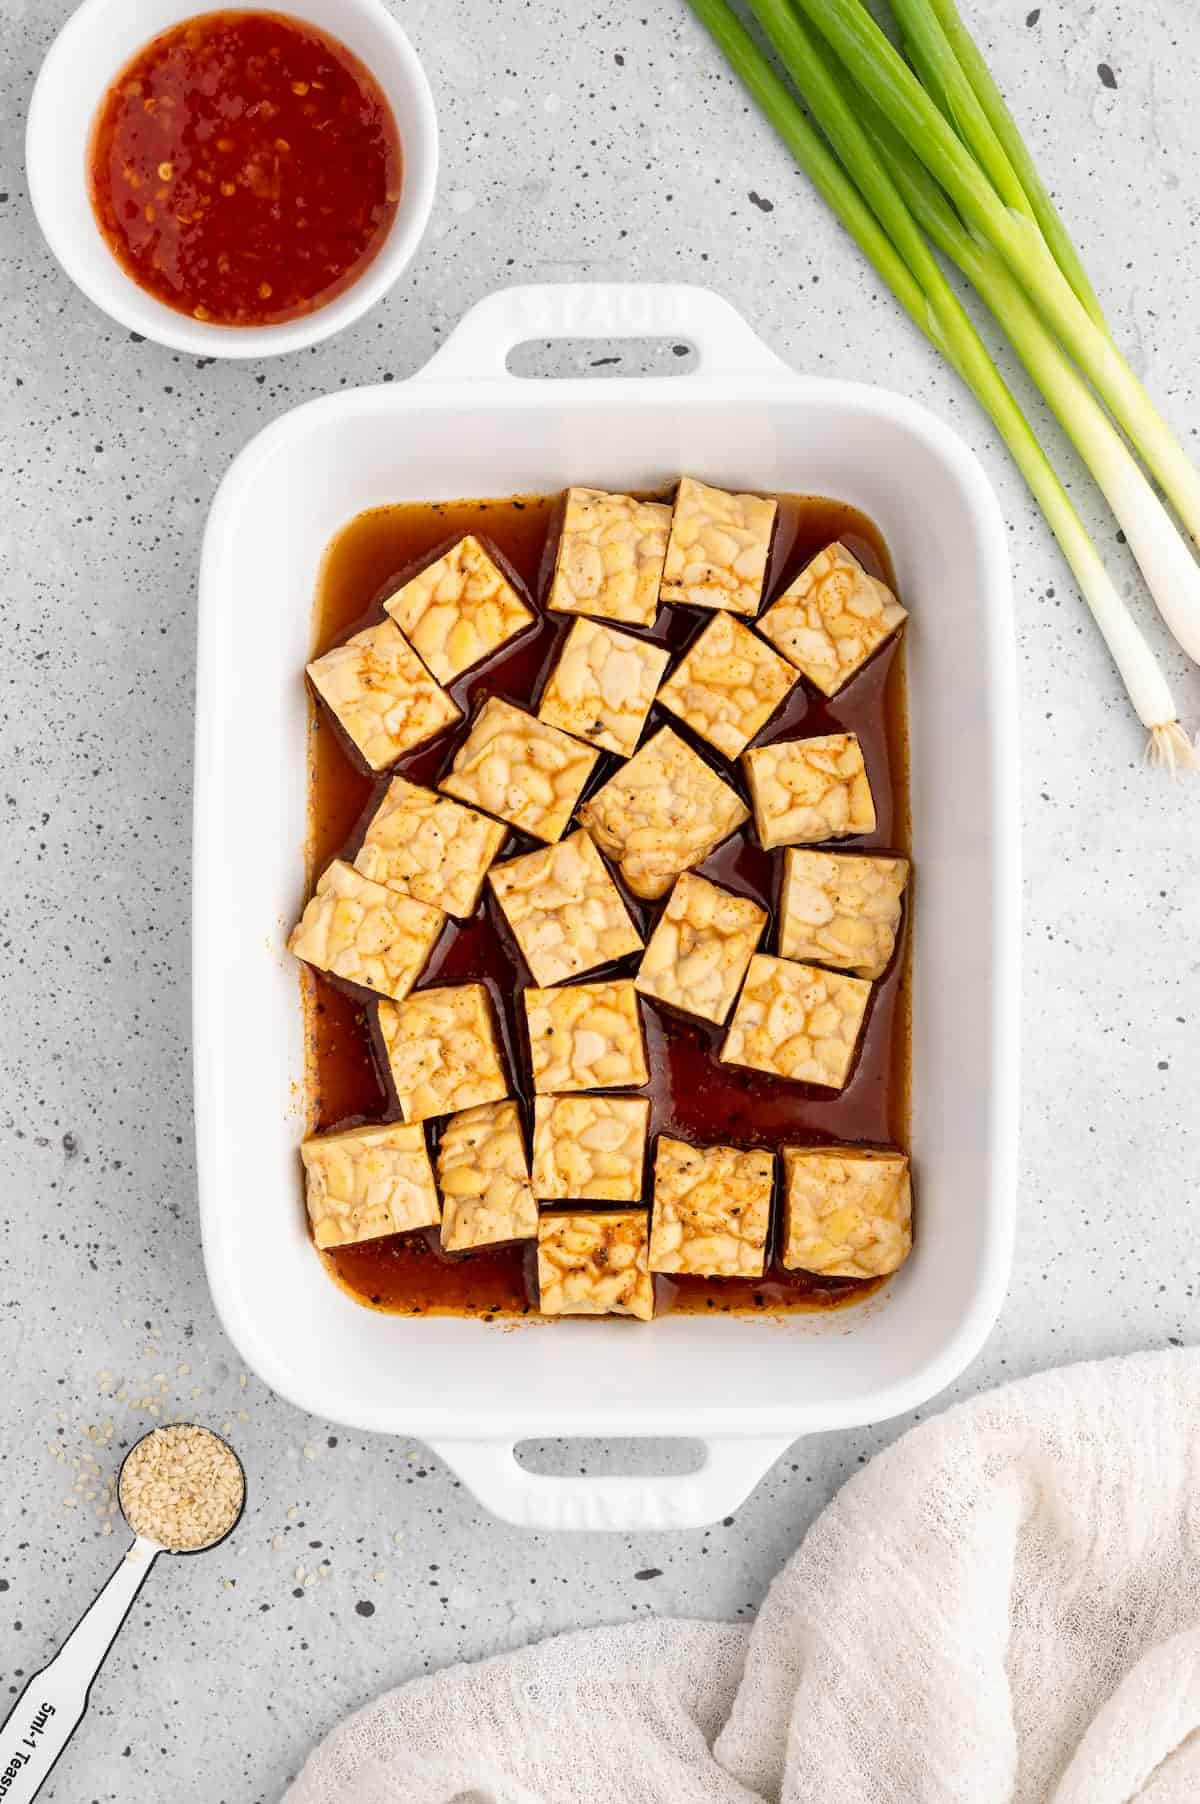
(823,170)
(879,68)
(904,260)
(1005,127)
(930,54)
(1172,574)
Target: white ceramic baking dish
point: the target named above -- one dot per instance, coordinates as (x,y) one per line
(464,426)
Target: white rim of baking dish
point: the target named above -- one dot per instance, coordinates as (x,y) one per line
(743,1442)
(93,46)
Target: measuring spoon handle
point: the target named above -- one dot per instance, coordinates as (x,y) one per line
(49,1709)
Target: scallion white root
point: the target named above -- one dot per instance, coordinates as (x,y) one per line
(1140,670)
(1170,749)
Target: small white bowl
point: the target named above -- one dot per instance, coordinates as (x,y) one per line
(91,49)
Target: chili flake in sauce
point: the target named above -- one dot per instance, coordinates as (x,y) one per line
(245,168)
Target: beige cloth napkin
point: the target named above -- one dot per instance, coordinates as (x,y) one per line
(1003,1606)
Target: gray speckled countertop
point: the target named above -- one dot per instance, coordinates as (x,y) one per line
(606,141)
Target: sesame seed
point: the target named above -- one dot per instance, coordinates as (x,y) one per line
(182,1487)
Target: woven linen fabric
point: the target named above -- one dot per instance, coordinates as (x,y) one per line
(1002,1608)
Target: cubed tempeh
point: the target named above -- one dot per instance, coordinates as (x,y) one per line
(807,790)
(564,910)
(699,952)
(383,697)
(717,551)
(847,1211)
(602,686)
(712,1209)
(832,618)
(367,1182)
(429,847)
(518,768)
(610,557)
(585,1036)
(594,1264)
(459,609)
(841,909)
(661,812)
(797,1021)
(728,685)
(366,933)
(443,1051)
(589,1148)
(483,1176)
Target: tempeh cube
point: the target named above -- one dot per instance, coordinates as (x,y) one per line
(383,697)
(520,769)
(701,947)
(717,551)
(602,686)
(661,812)
(367,1182)
(459,609)
(442,1051)
(565,911)
(429,847)
(483,1176)
(589,1148)
(586,1036)
(847,1211)
(593,1264)
(610,557)
(712,1210)
(797,1021)
(832,618)
(807,790)
(366,933)
(841,909)
(728,685)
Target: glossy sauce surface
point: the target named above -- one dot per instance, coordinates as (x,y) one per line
(245,168)
(693,1095)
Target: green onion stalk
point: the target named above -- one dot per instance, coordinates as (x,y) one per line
(1171,572)
(874,212)
(1005,128)
(863,48)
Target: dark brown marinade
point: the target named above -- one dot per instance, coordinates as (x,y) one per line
(692,1095)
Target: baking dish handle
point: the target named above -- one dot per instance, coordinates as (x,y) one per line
(479,345)
(731,1470)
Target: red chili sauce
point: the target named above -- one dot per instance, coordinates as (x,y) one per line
(245,168)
